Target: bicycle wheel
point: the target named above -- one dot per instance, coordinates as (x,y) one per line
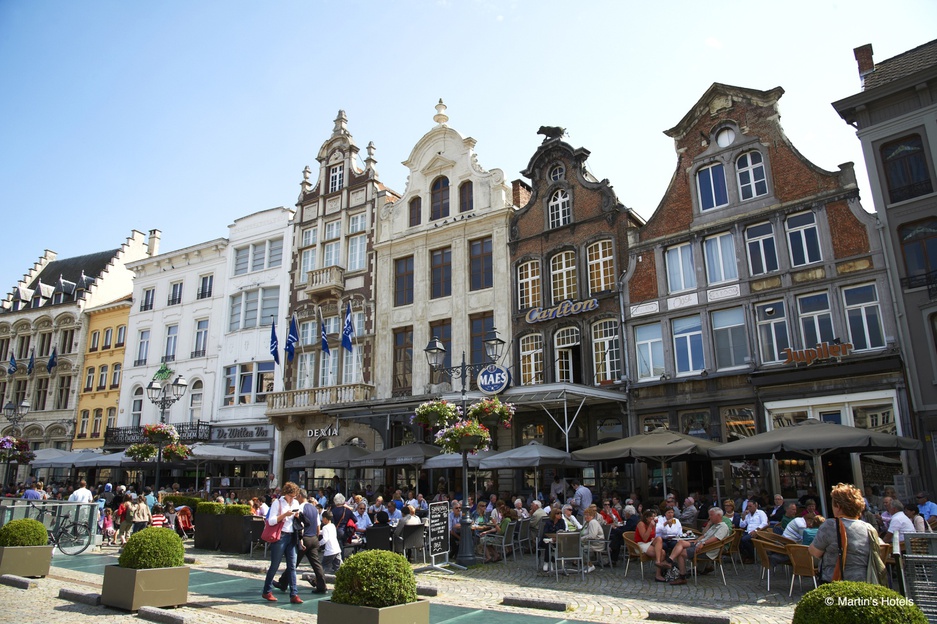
(74,539)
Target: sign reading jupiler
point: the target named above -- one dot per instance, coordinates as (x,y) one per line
(567,308)
(823,351)
(327,432)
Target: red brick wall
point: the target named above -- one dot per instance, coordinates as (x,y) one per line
(852,237)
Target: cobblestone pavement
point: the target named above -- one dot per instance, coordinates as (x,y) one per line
(605,595)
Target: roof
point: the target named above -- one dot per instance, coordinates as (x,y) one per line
(904,64)
(80,270)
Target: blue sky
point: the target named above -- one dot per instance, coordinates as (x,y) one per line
(185,115)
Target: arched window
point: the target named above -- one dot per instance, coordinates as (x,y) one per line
(111,418)
(136,407)
(439,199)
(750,169)
(83,424)
(102,377)
(919,244)
(531,359)
(89,379)
(906,171)
(466,197)
(416,211)
(560,213)
(563,277)
(195,401)
(98,421)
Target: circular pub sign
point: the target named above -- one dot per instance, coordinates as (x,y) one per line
(493,379)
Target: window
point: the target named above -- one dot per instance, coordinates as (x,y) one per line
(95,340)
(711,185)
(333,324)
(149,295)
(143,347)
(66,340)
(96,426)
(906,170)
(750,170)
(559,209)
(205,284)
(815,320)
(564,343)
(403,361)
(416,211)
(305,370)
(531,359)
(258,256)
(195,401)
(480,325)
(528,284)
(41,393)
(201,338)
(357,223)
(481,263)
(919,245)
(440,273)
(563,277)
(729,338)
(403,281)
(111,417)
(771,320)
(333,230)
(44,340)
(121,335)
(64,391)
(351,367)
(115,376)
(336,178)
(443,331)
(331,254)
(108,338)
(83,424)
(606,352)
(762,252)
(4,350)
(265,375)
(89,379)
(307,333)
(172,333)
(102,377)
(244,308)
(721,265)
(688,345)
(649,345)
(175,293)
(557,172)
(307,262)
(22,347)
(357,252)
(863,317)
(681,273)
(803,238)
(248,383)
(439,199)
(136,408)
(601,267)
(466,197)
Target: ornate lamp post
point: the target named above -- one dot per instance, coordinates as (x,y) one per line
(163,395)
(14,413)
(436,357)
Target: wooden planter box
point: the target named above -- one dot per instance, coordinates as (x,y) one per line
(207,531)
(126,588)
(237,532)
(25,560)
(410,613)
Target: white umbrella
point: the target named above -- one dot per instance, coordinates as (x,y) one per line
(53,458)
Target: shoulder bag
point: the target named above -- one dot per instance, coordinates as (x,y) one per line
(875,571)
(271,532)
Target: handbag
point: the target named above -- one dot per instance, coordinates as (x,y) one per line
(875,571)
(271,532)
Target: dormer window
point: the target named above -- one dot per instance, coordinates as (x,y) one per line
(750,170)
(557,172)
(711,185)
(560,213)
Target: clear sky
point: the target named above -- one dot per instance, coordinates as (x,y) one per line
(186,115)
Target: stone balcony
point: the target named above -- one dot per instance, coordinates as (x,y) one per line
(293,405)
(329,281)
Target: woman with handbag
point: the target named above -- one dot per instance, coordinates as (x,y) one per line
(848,548)
(280,521)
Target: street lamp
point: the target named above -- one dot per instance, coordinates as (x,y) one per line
(14,413)
(436,358)
(163,395)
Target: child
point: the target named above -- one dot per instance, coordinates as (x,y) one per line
(157,519)
(107,526)
(332,556)
(170,513)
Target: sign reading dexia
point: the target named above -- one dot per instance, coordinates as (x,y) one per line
(823,351)
(567,308)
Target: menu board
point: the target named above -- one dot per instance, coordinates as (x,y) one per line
(438,529)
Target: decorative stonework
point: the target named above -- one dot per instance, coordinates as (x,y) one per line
(726,292)
(651,307)
(682,301)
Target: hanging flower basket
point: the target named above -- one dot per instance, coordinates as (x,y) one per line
(141,452)
(450,438)
(161,433)
(176,452)
(436,414)
(15,450)
(492,411)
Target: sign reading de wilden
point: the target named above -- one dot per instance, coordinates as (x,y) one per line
(823,351)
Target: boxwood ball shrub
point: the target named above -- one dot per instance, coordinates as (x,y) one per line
(237,510)
(849,602)
(155,547)
(375,578)
(25,532)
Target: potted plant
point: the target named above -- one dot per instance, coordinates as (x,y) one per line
(236,524)
(208,525)
(141,452)
(451,438)
(24,548)
(375,587)
(492,412)
(150,572)
(846,602)
(436,414)
(15,450)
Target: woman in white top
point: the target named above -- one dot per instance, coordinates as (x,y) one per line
(284,509)
(592,535)
(668,534)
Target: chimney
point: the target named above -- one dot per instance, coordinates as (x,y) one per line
(152,245)
(863,56)
(520,193)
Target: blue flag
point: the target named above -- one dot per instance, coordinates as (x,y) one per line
(32,361)
(348,330)
(325,338)
(274,344)
(52,363)
(291,339)
(12,369)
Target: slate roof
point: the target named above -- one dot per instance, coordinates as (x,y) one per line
(904,64)
(66,275)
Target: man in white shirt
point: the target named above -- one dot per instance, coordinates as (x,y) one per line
(899,523)
(362,520)
(82,494)
(755,519)
(795,529)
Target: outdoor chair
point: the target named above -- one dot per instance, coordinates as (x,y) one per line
(257,528)
(802,564)
(762,548)
(733,550)
(598,547)
(411,539)
(569,548)
(522,535)
(700,556)
(502,541)
(539,547)
(633,552)
(378,537)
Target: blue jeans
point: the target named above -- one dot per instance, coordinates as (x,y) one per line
(286,546)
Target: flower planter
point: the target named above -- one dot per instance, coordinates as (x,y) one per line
(31,561)
(130,589)
(409,613)
(208,531)
(236,532)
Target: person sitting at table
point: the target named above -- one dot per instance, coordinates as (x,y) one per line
(552,524)
(796,527)
(393,514)
(378,505)
(717,530)
(592,537)
(496,513)
(777,512)
(754,520)
(537,515)
(609,514)
(690,513)
(522,513)
(669,530)
(571,522)
(491,539)
(361,517)
(409,518)
(381,518)
(809,508)
(732,519)
(645,536)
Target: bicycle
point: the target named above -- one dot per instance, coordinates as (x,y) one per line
(71,537)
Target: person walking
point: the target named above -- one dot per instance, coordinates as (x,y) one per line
(308,544)
(140,514)
(283,510)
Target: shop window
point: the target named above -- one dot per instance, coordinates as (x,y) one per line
(739,422)
(657,421)
(697,423)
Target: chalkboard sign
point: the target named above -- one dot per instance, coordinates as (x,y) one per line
(438,529)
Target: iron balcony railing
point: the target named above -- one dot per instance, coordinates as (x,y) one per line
(188,432)
(920,281)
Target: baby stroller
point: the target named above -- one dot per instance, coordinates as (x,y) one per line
(184,525)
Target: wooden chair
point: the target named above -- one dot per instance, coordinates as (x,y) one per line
(733,549)
(762,548)
(802,564)
(569,548)
(634,552)
(700,556)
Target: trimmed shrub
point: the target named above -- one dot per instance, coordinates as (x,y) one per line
(214,509)
(178,500)
(154,547)
(237,510)
(848,602)
(25,532)
(375,578)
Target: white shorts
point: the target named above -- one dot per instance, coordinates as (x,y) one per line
(644,546)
